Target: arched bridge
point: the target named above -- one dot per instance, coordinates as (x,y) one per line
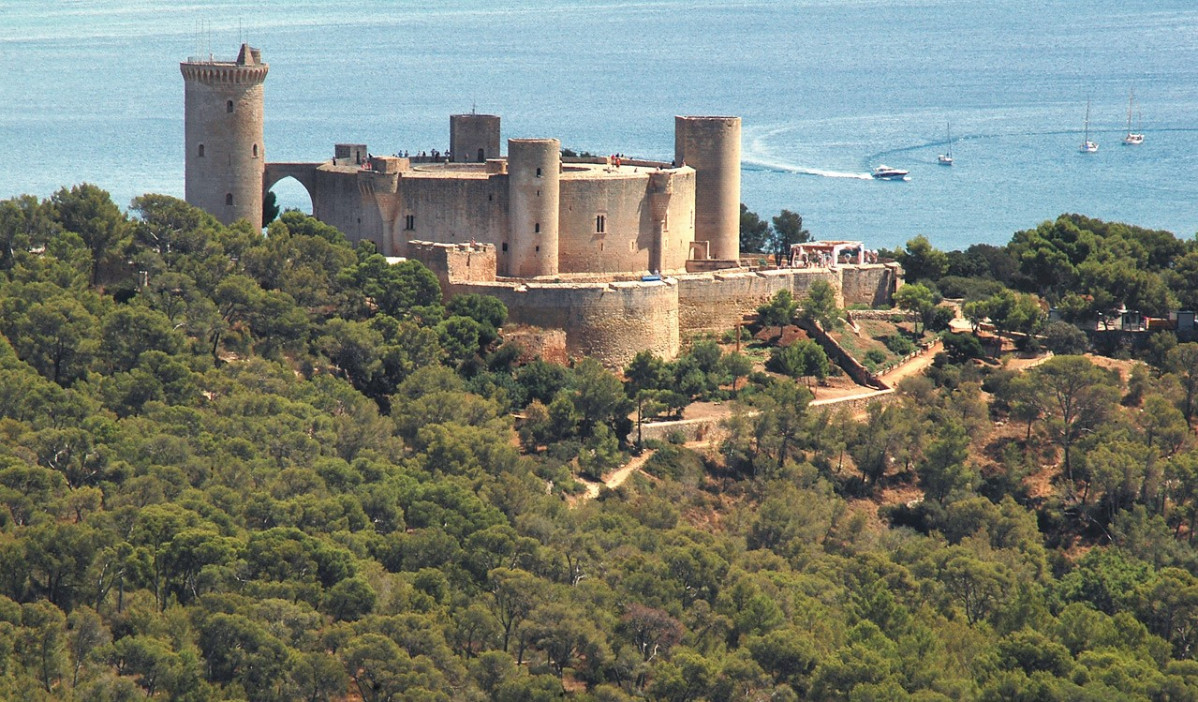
(304,173)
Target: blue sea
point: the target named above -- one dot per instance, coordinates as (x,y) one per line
(90,90)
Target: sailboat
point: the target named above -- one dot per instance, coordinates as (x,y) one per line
(1087,147)
(946,158)
(1132,138)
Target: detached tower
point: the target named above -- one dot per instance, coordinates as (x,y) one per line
(711,145)
(222,129)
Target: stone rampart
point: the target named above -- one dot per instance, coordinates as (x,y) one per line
(715,302)
(455,263)
(870,284)
(613,320)
(691,430)
(610,322)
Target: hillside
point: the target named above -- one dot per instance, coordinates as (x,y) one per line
(279,468)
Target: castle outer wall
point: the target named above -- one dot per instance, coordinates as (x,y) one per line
(714,302)
(613,321)
(608,321)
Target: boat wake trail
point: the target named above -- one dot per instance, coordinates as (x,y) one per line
(763,165)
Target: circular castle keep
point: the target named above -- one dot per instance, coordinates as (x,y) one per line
(605,248)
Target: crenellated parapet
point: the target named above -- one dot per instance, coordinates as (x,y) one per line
(232,74)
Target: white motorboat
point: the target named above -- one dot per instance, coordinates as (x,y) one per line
(884,172)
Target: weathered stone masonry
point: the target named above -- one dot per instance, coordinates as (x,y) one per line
(622,254)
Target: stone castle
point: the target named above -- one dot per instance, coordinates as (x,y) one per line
(622,254)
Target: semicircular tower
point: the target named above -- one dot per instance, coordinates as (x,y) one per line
(225,157)
(534,191)
(711,146)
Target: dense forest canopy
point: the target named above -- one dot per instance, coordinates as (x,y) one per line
(276,467)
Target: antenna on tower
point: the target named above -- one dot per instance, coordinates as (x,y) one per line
(473,107)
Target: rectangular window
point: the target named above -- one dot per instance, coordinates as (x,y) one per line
(409,222)
(600,224)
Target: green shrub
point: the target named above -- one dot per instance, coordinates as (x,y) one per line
(876,356)
(898,344)
(676,463)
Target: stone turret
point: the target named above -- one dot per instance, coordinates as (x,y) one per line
(534,187)
(711,145)
(225,155)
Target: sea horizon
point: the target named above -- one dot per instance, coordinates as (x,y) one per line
(827,90)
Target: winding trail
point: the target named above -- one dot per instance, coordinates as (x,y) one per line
(614,479)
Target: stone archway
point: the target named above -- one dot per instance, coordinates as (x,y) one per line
(302,173)
(290,194)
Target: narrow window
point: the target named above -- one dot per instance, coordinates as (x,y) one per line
(255,151)
(600,223)
(201,154)
(537,228)
(538,249)
(538,175)
(229,107)
(409,222)
(228,198)
(490,197)
(505,246)
(482,156)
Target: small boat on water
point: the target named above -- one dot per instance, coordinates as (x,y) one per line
(884,172)
(1087,147)
(946,158)
(1132,138)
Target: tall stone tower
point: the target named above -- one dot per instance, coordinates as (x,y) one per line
(534,187)
(711,145)
(222,129)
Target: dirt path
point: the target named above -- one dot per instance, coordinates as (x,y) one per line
(912,367)
(614,479)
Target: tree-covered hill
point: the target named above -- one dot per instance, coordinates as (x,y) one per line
(238,466)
